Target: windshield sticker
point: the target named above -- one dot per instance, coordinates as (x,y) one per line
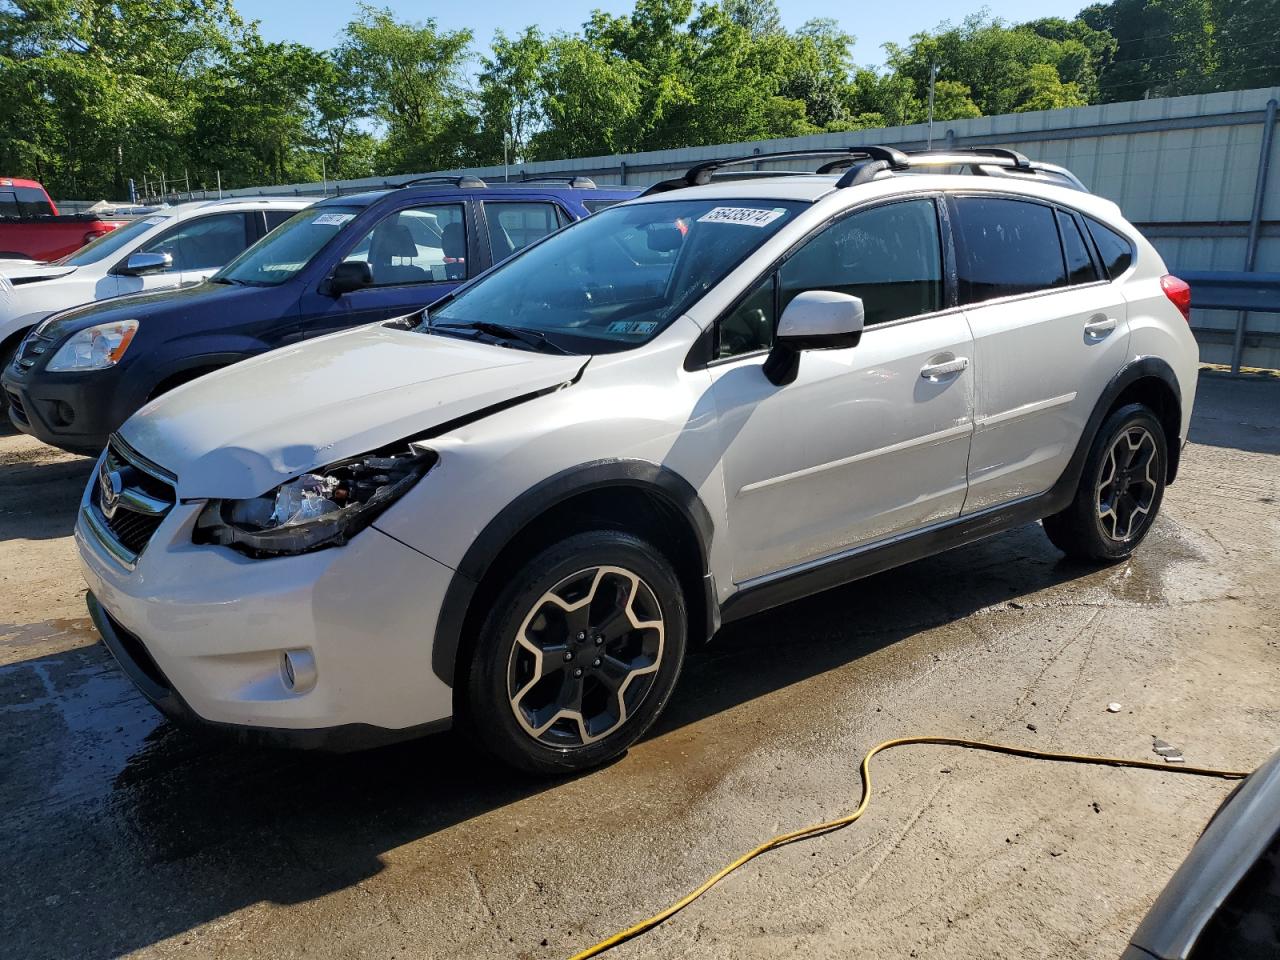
(633,327)
(152,221)
(332,219)
(743,216)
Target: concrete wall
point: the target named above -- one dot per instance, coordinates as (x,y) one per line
(1182,168)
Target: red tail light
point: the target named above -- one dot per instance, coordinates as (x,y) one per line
(1179,294)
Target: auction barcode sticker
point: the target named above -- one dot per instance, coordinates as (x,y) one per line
(332,219)
(744,216)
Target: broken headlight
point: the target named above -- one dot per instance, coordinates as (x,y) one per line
(324,508)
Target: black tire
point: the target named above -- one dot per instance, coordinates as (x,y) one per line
(7,353)
(1116,503)
(507,677)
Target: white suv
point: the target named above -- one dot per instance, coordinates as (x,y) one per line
(518,509)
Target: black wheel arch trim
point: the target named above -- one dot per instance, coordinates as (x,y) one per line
(674,489)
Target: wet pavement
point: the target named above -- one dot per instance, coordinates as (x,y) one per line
(120,833)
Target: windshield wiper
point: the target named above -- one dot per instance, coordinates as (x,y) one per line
(530,338)
(239,283)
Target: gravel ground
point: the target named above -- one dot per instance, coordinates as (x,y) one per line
(122,834)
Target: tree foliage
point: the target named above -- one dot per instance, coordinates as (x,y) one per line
(102,91)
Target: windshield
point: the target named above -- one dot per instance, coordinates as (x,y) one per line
(616,279)
(110,243)
(288,248)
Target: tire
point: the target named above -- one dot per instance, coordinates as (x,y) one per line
(7,353)
(582,596)
(1121,489)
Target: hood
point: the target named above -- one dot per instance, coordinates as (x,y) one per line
(18,272)
(172,302)
(243,430)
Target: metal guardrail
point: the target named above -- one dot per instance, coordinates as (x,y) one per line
(1234,290)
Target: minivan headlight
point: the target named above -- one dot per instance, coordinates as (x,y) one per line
(323,508)
(94,348)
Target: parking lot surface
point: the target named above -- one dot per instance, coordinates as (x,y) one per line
(121,834)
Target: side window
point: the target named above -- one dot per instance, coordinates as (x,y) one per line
(513,226)
(595,206)
(204,243)
(1007,247)
(277,217)
(1116,251)
(890,256)
(749,326)
(425,244)
(1080,267)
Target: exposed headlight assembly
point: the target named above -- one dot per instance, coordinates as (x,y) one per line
(94,348)
(324,508)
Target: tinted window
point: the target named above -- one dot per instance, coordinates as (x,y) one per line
(1007,247)
(1116,251)
(203,243)
(890,256)
(276,217)
(24,202)
(1080,268)
(513,226)
(419,245)
(749,326)
(595,206)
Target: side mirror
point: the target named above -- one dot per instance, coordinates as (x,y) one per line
(813,320)
(350,275)
(140,264)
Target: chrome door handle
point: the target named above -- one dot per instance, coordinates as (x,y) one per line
(1099,328)
(935,371)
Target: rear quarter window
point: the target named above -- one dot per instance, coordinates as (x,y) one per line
(1115,249)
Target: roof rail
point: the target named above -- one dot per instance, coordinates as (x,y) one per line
(863,164)
(700,174)
(466,180)
(577,182)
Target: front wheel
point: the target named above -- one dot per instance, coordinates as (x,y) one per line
(578,655)
(1121,488)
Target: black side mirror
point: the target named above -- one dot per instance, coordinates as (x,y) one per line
(350,275)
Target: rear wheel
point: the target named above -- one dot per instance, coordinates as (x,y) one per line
(578,655)
(1120,490)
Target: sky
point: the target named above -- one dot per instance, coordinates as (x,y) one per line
(317,23)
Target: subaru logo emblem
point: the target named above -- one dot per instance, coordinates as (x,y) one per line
(110,486)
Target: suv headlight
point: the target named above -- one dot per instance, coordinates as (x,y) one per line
(94,348)
(324,508)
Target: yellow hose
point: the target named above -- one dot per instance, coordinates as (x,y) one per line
(818,829)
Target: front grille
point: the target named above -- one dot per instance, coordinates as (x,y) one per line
(131,498)
(30,350)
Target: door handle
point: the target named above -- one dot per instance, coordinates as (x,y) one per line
(1099,328)
(936,371)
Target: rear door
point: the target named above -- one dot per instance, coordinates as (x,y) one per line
(1049,333)
(417,254)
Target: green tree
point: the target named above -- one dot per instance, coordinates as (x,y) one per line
(511,95)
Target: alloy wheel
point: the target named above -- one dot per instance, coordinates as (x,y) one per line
(585,656)
(1126,487)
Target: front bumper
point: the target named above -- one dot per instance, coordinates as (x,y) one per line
(76,412)
(201,631)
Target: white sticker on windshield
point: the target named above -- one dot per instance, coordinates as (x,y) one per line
(332,219)
(744,216)
(152,221)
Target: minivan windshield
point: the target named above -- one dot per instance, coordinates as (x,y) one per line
(107,244)
(619,277)
(282,253)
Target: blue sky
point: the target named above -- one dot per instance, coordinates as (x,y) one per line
(317,23)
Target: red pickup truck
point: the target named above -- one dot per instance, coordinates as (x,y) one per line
(31,228)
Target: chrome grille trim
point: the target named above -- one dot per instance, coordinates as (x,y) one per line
(129,500)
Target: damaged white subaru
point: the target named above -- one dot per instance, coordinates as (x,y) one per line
(516,510)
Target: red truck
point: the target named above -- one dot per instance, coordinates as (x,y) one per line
(31,228)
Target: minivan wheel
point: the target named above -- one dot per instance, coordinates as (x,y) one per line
(578,654)
(1120,489)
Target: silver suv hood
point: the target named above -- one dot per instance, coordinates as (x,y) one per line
(243,430)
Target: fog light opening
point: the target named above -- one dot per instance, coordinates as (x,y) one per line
(298,670)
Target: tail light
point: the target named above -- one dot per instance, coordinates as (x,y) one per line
(1179,294)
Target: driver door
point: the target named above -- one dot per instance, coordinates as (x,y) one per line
(198,247)
(866,443)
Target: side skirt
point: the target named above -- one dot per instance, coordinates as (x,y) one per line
(874,558)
